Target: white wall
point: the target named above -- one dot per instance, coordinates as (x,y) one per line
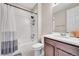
(39,20)
(44,19)
(60,21)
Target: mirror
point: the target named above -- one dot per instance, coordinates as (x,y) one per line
(66,17)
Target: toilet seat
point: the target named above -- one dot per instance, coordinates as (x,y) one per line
(37,46)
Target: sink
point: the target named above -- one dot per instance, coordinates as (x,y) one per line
(65,37)
(62,36)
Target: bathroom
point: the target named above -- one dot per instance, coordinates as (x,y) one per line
(25,26)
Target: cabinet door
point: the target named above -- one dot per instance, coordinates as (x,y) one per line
(63,53)
(49,50)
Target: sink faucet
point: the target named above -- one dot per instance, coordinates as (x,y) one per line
(63,34)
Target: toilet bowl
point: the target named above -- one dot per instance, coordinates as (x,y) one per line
(38,49)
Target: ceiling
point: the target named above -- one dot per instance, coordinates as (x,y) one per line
(25,5)
(56,8)
(63,6)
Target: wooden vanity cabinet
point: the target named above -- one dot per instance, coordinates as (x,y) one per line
(49,50)
(57,48)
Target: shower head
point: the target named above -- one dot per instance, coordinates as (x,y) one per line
(32,17)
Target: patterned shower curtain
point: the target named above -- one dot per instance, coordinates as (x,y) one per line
(8,30)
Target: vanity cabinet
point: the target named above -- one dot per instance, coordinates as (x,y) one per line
(49,50)
(57,48)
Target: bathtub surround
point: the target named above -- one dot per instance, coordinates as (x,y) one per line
(26,31)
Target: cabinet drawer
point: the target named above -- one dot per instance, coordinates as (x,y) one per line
(50,41)
(68,48)
(62,53)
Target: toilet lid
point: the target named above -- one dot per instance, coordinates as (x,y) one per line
(38,45)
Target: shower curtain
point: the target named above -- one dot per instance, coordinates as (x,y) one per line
(9,42)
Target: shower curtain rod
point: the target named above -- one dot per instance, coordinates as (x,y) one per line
(19,8)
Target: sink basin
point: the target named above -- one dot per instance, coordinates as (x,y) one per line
(63,35)
(66,37)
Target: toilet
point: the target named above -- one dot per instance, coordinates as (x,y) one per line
(38,49)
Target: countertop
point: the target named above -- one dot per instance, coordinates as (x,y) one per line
(69,40)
